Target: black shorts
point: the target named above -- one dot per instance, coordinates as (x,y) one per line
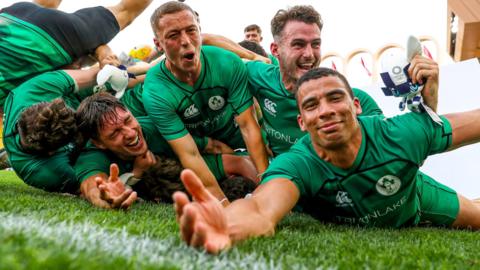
(79,33)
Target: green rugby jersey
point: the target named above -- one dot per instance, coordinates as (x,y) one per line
(279,107)
(93,161)
(273,59)
(53,173)
(132,99)
(380,188)
(206,109)
(25,51)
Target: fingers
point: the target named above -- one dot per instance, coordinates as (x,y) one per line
(104,193)
(114,172)
(195,187)
(187,223)
(199,235)
(129,201)
(118,200)
(422,67)
(180,199)
(99,181)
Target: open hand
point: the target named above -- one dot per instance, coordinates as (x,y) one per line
(203,221)
(114,192)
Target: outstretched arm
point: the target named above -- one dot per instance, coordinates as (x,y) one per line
(127,10)
(253,139)
(188,154)
(48,3)
(465,128)
(204,223)
(107,191)
(227,44)
(84,78)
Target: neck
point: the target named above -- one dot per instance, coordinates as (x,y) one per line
(287,80)
(188,77)
(289,83)
(342,156)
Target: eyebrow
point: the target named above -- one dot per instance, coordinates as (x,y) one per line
(328,94)
(335,92)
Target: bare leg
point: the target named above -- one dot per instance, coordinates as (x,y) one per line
(48,3)
(239,165)
(127,10)
(468,215)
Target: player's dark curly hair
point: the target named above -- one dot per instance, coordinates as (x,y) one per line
(160,181)
(253,46)
(46,126)
(306,14)
(237,187)
(94,112)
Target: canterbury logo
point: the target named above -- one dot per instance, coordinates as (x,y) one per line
(191,111)
(270,106)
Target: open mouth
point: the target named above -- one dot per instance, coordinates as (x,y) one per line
(134,142)
(306,66)
(189,56)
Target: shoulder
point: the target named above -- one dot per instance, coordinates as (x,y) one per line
(219,56)
(262,74)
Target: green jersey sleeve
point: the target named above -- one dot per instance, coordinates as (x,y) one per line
(91,161)
(53,173)
(416,135)
(286,166)
(132,99)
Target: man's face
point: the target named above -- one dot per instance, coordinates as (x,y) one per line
(328,112)
(179,37)
(122,135)
(253,36)
(298,51)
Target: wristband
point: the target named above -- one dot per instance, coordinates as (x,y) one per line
(129,179)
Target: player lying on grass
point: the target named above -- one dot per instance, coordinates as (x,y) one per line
(37,39)
(347,170)
(40,129)
(118,137)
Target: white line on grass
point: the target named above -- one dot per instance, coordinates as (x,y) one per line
(90,238)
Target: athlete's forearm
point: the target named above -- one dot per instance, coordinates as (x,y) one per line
(259,214)
(465,128)
(90,191)
(227,44)
(198,165)
(188,154)
(256,147)
(244,220)
(85,79)
(105,55)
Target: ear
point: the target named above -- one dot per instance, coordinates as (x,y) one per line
(357,106)
(301,124)
(274,49)
(157,45)
(98,144)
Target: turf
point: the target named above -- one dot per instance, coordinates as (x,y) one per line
(40,230)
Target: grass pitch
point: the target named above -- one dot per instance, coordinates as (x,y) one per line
(40,230)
